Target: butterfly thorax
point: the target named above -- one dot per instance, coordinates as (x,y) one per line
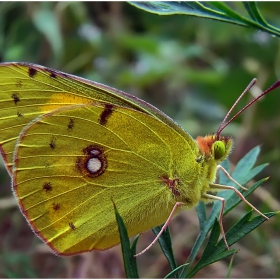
(213,152)
(193,182)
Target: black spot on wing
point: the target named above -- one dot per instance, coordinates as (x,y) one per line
(70,124)
(32,72)
(72,226)
(52,143)
(47,186)
(55,206)
(15,98)
(106,113)
(52,74)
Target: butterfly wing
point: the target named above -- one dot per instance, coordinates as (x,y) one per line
(29,90)
(71,164)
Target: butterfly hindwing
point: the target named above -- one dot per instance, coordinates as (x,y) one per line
(70,164)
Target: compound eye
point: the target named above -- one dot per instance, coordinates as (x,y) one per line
(219,149)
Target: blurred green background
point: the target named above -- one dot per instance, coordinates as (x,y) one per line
(193,69)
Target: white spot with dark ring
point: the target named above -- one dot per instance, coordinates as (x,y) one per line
(94,165)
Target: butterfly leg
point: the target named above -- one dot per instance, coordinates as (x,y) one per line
(177,204)
(220,219)
(228,175)
(222,187)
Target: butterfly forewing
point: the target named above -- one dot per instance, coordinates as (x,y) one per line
(29,90)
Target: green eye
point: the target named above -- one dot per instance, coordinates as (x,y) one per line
(219,149)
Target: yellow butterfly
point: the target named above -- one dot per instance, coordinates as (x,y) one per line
(73,146)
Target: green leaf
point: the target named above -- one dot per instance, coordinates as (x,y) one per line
(209,255)
(217,251)
(174,273)
(252,173)
(166,246)
(129,260)
(201,213)
(211,10)
(245,164)
(221,6)
(256,15)
(243,227)
(254,12)
(199,9)
(215,233)
(223,179)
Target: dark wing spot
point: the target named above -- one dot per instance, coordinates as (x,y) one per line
(52,73)
(106,113)
(52,143)
(47,186)
(32,72)
(15,98)
(72,226)
(70,124)
(56,206)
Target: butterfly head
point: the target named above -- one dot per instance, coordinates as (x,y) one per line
(215,148)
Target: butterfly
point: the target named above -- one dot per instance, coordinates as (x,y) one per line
(72,146)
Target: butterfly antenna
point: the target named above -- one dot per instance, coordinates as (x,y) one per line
(225,123)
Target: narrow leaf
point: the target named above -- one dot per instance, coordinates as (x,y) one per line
(129,260)
(254,12)
(208,256)
(215,10)
(198,9)
(215,252)
(246,163)
(245,226)
(166,246)
(201,213)
(174,272)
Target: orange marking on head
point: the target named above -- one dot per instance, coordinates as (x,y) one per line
(205,143)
